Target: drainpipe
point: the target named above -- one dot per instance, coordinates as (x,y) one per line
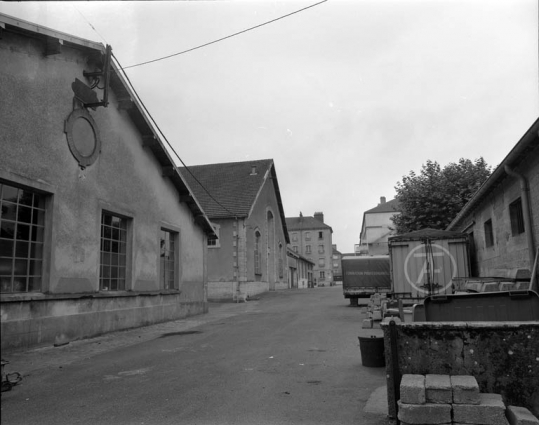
(524,189)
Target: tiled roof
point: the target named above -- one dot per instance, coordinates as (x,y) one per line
(389,206)
(305,223)
(233,186)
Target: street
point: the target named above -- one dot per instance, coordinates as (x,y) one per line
(286,357)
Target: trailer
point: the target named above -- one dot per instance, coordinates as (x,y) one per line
(427,262)
(364,276)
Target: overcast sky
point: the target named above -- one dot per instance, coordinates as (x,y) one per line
(346,97)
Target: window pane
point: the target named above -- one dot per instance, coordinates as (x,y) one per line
(6,248)
(7,230)
(26,197)
(6,266)
(21,249)
(38,233)
(9,211)
(24,214)
(36,250)
(5,283)
(35,267)
(19,284)
(34,283)
(21,267)
(9,193)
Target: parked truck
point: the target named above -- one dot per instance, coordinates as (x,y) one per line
(365,275)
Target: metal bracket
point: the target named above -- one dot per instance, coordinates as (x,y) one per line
(105,74)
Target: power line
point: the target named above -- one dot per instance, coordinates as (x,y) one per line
(166,140)
(224,38)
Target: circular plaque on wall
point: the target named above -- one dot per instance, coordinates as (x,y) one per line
(83,137)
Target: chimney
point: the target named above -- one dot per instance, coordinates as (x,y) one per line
(319,216)
(382,200)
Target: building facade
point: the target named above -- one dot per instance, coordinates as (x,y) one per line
(300,270)
(377,227)
(98,231)
(502,218)
(312,238)
(245,207)
(336,265)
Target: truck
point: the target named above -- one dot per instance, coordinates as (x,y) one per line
(365,275)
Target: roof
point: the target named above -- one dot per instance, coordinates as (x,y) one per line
(389,206)
(427,234)
(527,144)
(120,85)
(233,187)
(306,223)
(290,252)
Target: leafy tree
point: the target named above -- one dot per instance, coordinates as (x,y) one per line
(434,197)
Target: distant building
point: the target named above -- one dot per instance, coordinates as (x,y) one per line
(300,270)
(246,210)
(377,227)
(336,265)
(312,238)
(502,218)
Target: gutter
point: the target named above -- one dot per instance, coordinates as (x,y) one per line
(524,190)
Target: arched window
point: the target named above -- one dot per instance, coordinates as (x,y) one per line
(281,261)
(258,254)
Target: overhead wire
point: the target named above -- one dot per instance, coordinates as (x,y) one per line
(224,38)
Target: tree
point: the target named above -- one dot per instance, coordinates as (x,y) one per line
(434,197)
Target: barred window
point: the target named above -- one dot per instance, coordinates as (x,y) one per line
(22,228)
(113,252)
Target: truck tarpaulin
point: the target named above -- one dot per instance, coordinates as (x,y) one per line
(365,275)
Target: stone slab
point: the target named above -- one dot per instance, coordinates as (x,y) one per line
(520,416)
(438,389)
(412,389)
(465,389)
(490,411)
(424,414)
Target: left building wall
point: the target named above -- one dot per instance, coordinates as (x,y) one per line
(85,250)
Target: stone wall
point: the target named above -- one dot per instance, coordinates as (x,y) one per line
(503,357)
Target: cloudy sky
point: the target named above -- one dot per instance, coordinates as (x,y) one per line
(347,97)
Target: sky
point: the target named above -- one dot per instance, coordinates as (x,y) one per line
(346,97)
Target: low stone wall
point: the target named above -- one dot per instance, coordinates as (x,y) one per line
(55,319)
(221,291)
(503,357)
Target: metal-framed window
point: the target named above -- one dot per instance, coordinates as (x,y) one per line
(167,275)
(517,218)
(22,229)
(113,266)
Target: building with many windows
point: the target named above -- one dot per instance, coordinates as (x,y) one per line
(98,230)
(312,238)
(336,265)
(246,210)
(502,218)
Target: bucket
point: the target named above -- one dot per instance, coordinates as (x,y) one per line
(372,351)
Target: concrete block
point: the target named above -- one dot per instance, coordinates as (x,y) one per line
(412,389)
(520,416)
(424,414)
(465,389)
(490,410)
(438,389)
(367,324)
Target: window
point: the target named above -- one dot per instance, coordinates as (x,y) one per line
(258,254)
(321,262)
(281,263)
(517,219)
(335,265)
(22,228)
(335,257)
(295,248)
(322,275)
(215,242)
(489,236)
(307,236)
(167,274)
(308,249)
(320,235)
(320,249)
(294,237)
(113,252)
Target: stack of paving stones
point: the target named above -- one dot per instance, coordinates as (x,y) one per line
(455,400)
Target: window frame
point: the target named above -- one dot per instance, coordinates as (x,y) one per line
(175,236)
(215,243)
(489,233)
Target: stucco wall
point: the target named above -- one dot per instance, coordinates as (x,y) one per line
(503,357)
(126,179)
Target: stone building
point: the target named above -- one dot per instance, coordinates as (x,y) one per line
(312,238)
(99,231)
(246,211)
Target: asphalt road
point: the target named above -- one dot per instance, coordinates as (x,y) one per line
(289,357)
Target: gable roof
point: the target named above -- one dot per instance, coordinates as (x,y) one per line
(233,186)
(123,90)
(389,206)
(527,145)
(306,223)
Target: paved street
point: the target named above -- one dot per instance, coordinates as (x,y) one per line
(288,357)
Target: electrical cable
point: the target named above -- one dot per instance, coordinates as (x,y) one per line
(223,38)
(166,140)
